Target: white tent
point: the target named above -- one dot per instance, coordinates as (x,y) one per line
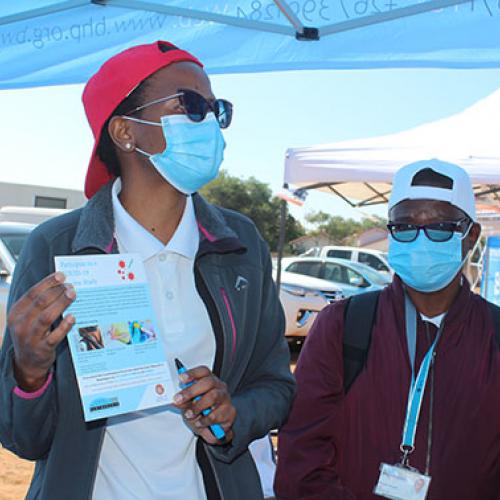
(361,171)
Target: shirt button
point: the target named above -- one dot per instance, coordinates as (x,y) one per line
(162,257)
(170,295)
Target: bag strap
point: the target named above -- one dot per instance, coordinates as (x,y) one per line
(495,313)
(359,316)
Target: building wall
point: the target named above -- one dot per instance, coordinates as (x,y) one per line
(374,238)
(304,243)
(25,195)
(382,245)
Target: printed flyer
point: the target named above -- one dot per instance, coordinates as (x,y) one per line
(119,360)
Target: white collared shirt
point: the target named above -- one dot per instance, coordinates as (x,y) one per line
(435,320)
(152,454)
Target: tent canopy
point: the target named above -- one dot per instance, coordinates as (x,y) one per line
(361,171)
(50,42)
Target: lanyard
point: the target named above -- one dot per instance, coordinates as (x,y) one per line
(417,385)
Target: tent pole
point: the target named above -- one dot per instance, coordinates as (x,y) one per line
(43,11)
(391,15)
(170,10)
(281,242)
(290,15)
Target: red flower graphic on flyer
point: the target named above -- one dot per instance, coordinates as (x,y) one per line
(124,270)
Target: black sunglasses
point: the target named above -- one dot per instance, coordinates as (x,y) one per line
(438,231)
(196,107)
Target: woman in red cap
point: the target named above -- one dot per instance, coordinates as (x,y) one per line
(158,140)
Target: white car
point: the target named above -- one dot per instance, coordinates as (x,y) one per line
(302,297)
(375,259)
(351,277)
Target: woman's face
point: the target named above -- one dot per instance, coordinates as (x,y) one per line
(165,82)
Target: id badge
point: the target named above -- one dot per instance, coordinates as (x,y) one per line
(399,483)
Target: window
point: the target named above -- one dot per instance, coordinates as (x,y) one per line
(339,254)
(335,272)
(355,279)
(344,275)
(14,243)
(372,261)
(50,202)
(307,268)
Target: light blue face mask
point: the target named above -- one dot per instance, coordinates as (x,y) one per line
(425,265)
(193,154)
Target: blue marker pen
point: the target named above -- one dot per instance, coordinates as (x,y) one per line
(216,429)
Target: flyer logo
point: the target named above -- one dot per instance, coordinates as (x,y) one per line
(124,270)
(160,390)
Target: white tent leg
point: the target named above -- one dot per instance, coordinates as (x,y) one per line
(281,242)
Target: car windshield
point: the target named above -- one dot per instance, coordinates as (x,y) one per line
(370,274)
(14,243)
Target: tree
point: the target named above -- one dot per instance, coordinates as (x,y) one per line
(254,199)
(342,231)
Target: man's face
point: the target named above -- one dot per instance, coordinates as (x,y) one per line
(422,212)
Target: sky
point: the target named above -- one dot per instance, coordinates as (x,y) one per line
(46,140)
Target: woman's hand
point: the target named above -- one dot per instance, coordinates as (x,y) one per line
(213,394)
(29,323)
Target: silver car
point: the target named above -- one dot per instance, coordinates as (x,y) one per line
(302,297)
(13,235)
(351,277)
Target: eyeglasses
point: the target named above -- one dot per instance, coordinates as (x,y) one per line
(196,107)
(438,231)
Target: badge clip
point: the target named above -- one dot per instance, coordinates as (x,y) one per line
(405,459)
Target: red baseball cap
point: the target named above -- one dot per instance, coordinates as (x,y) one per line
(114,81)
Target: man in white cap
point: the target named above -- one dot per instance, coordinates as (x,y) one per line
(399,391)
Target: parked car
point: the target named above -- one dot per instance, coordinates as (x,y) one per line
(13,235)
(376,259)
(351,277)
(302,297)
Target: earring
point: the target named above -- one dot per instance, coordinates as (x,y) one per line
(128,145)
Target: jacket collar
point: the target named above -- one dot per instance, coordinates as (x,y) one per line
(96,226)
(215,235)
(459,310)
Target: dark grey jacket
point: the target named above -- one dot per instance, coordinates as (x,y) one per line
(251,356)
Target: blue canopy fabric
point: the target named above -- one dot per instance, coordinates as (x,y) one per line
(51,42)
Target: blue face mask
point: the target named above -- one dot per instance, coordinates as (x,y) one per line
(193,154)
(425,265)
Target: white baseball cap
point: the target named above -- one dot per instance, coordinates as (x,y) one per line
(456,187)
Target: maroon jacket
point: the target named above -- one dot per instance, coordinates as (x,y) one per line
(332,445)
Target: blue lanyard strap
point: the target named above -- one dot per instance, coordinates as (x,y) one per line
(417,386)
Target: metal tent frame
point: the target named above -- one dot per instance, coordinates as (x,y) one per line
(295,28)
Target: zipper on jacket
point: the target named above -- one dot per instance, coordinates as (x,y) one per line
(225,298)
